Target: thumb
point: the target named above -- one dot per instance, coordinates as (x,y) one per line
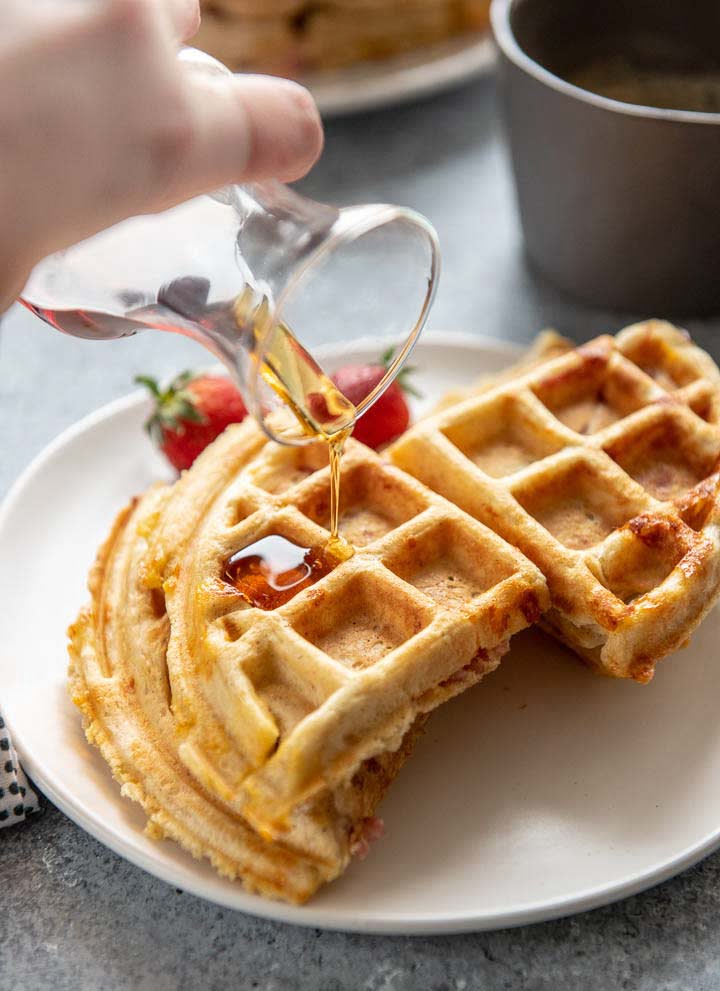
(286,134)
(247,128)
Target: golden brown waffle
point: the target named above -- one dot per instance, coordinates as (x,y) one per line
(264,739)
(290,37)
(601,466)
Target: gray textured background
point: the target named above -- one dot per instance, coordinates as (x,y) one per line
(74,915)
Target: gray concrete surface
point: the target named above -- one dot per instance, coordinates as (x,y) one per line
(77,917)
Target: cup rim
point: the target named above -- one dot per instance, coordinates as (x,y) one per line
(351,224)
(505,38)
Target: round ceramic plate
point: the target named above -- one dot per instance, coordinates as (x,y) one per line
(404,77)
(545,790)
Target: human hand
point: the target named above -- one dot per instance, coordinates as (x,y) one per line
(99,121)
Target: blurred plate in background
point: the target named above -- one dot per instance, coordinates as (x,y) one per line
(402,78)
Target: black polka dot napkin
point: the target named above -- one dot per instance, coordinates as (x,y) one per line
(17,799)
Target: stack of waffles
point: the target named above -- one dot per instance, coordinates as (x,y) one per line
(264,736)
(290,37)
(579,490)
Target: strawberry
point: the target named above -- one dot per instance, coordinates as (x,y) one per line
(389,416)
(190,413)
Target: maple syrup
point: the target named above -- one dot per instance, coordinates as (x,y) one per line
(317,405)
(270,571)
(311,399)
(336,443)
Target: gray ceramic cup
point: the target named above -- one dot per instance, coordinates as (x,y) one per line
(619,203)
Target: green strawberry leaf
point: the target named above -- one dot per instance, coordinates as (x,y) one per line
(174,406)
(403,375)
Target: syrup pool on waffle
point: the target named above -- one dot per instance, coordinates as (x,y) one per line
(271,570)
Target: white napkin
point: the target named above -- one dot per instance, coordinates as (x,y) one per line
(17,799)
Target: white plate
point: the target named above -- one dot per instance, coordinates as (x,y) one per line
(543,791)
(404,77)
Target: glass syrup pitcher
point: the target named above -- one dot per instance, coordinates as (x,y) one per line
(265,279)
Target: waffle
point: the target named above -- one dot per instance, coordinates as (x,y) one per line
(290,37)
(263,738)
(601,465)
